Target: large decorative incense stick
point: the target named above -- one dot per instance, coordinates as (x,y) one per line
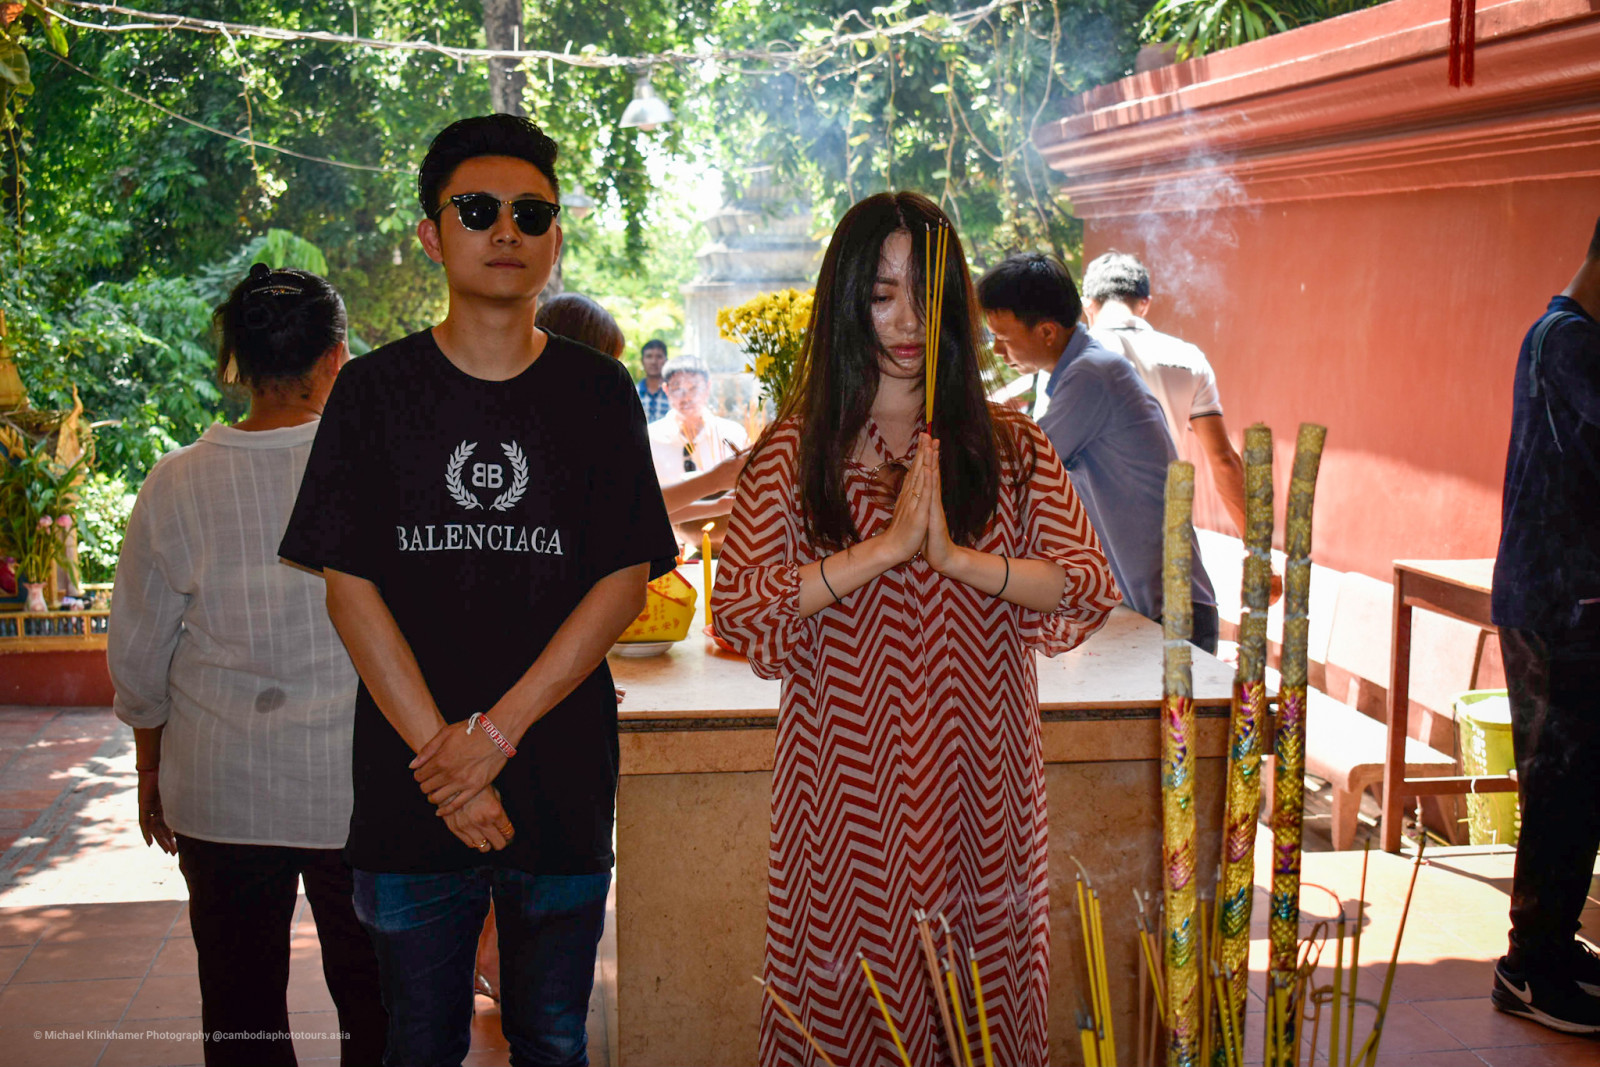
(1288,810)
(1177,773)
(1249,716)
(795,1022)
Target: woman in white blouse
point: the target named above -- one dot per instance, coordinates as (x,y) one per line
(239,691)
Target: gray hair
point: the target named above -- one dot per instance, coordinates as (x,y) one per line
(1116,276)
(684,365)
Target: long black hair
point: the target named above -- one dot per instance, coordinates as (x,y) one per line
(275,325)
(836,377)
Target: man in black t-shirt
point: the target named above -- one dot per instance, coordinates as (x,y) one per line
(1546,603)
(482,502)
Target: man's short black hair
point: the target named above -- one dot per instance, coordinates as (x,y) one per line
(1116,276)
(1594,242)
(483,135)
(654,342)
(1033,287)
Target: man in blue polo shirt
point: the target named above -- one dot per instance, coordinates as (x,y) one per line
(1102,419)
(652,387)
(1546,602)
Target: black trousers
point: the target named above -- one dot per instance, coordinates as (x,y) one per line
(241,903)
(1555,726)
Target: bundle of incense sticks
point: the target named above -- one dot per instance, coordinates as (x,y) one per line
(935,247)
(1177,773)
(1290,749)
(1094,949)
(943,976)
(1151,940)
(1249,717)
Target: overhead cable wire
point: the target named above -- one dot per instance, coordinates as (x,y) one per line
(805,55)
(250,141)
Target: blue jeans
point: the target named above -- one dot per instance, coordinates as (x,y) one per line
(425,929)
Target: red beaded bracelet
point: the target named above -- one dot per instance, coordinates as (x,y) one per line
(478,718)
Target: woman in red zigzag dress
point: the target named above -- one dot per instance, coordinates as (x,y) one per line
(898,584)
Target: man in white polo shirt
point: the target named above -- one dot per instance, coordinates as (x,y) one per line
(1116,296)
(689,441)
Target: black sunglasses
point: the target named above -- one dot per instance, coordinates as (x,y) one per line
(478,211)
(688,459)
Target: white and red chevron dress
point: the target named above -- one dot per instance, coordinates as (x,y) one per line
(908,769)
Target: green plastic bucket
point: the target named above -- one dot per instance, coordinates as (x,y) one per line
(1483,725)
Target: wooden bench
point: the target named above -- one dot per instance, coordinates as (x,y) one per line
(1347,748)
(1346,739)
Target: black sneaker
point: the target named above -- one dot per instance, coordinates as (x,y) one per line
(1582,965)
(1557,1001)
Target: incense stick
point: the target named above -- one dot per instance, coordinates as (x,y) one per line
(893,1033)
(1109,1039)
(930,957)
(791,1017)
(1139,1031)
(1370,1050)
(1338,989)
(1091,1057)
(983,1017)
(1086,924)
(935,251)
(1355,959)
(961,1016)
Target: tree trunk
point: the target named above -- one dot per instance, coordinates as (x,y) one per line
(502,29)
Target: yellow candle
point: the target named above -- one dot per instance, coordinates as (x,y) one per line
(705,563)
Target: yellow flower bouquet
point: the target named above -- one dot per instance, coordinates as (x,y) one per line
(771,330)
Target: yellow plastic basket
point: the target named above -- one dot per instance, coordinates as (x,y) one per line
(669,604)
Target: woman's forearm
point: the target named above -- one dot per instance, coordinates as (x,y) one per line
(1036,584)
(835,577)
(382,657)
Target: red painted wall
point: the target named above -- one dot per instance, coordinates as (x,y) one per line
(55,679)
(1356,243)
(1394,320)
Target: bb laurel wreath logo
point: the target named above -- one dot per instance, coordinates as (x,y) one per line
(486,476)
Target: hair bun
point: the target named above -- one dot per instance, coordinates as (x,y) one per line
(257,316)
(260,272)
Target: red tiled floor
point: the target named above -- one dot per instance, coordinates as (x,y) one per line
(1569,1054)
(26,1045)
(171,996)
(168,1043)
(64,1004)
(1474,1022)
(104,957)
(177,956)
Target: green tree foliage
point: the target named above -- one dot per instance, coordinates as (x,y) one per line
(949,109)
(129,224)
(1201,26)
